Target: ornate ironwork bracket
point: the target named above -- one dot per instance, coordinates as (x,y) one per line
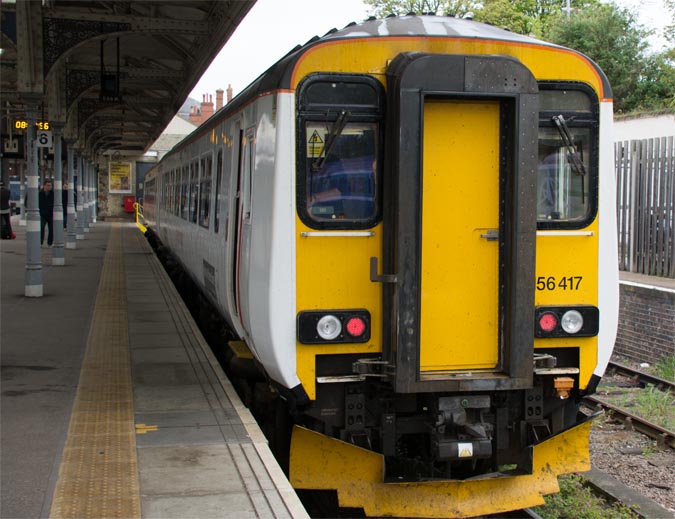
(61,35)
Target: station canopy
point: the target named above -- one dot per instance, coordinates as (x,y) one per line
(109,74)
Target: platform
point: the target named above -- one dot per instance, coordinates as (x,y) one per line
(112,403)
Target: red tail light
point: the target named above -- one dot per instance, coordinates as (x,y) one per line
(548,322)
(355,326)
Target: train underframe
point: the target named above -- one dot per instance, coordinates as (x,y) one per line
(431,436)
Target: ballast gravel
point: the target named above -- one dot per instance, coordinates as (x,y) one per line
(634,459)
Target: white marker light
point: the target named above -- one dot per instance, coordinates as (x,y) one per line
(572,321)
(328,327)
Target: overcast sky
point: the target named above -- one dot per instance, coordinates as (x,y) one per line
(271,29)
(274,27)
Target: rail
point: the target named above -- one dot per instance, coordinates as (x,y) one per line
(664,437)
(140,218)
(644,379)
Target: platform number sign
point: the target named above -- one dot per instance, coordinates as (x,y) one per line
(44,139)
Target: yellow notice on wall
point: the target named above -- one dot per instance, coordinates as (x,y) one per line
(119,177)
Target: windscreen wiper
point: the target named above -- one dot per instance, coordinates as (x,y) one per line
(572,153)
(333,134)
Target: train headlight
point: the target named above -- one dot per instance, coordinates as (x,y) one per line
(328,327)
(334,326)
(572,321)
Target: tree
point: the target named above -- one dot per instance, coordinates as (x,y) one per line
(505,14)
(670,29)
(458,8)
(612,37)
(605,33)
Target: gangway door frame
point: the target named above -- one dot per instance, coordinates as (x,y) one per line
(412,77)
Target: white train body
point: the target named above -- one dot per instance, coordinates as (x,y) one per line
(257,297)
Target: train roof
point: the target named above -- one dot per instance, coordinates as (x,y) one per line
(427,25)
(391,26)
(411,25)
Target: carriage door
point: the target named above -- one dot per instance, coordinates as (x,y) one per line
(460,228)
(239,228)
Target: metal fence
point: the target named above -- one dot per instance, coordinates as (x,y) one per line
(645,175)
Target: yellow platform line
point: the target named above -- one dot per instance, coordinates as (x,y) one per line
(98,476)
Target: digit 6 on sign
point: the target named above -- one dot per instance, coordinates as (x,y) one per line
(44,139)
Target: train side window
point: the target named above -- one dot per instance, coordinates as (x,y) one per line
(339,151)
(219,179)
(174,191)
(568,156)
(184,192)
(205,192)
(194,190)
(248,167)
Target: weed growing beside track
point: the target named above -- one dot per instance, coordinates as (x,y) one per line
(577,500)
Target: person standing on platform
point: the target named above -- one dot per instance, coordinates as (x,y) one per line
(5,213)
(46,206)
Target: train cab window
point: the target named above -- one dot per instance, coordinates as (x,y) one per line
(568,156)
(339,153)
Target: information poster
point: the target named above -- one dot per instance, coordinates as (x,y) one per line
(119,177)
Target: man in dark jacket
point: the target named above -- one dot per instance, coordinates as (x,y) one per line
(46,206)
(5,213)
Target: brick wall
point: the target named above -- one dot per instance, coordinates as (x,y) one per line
(646,323)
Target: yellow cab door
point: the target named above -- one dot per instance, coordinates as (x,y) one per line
(459,238)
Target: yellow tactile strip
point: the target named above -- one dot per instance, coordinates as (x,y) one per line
(98,477)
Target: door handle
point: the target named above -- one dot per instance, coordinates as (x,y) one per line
(380,278)
(491,235)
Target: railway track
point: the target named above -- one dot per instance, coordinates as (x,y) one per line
(639,377)
(664,437)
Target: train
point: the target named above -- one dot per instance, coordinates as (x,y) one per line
(409,227)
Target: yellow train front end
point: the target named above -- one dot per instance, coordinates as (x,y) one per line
(447,256)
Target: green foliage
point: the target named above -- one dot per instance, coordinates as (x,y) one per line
(501,13)
(577,500)
(612,37)
(670,29)
(526,16)
(665,368)
(651,403)
(458,8)
(656,406)
(607,34)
